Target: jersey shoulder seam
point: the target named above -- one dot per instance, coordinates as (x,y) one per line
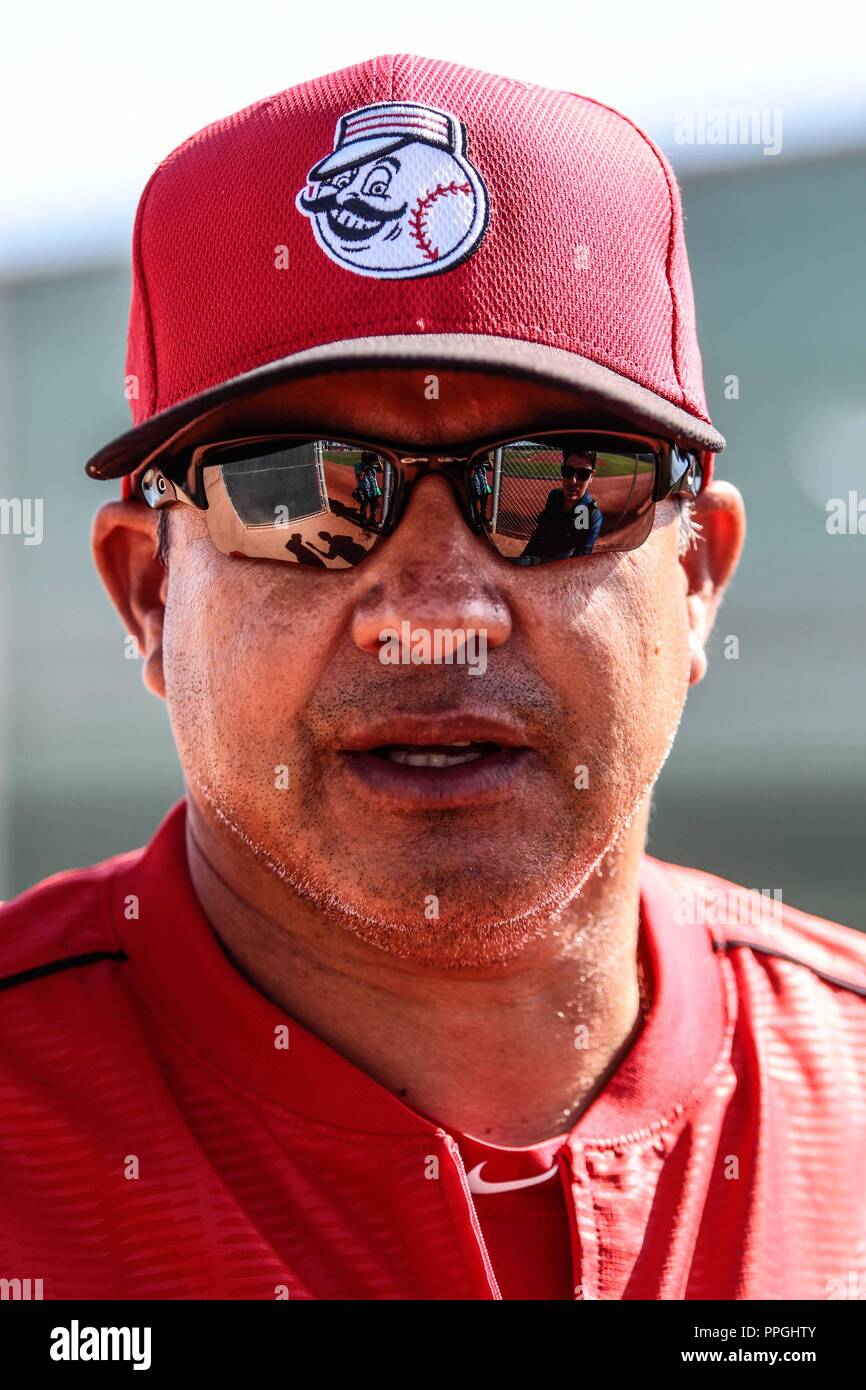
(725,944)
(61,923)
(833,953)
(53,967)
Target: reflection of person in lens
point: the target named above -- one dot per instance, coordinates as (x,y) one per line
(304,556)
(340,547)
(571,519)
(367,489)
(480,490)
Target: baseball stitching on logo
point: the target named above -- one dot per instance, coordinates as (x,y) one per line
(419,212)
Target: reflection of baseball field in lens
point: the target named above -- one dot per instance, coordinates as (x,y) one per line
(621,487)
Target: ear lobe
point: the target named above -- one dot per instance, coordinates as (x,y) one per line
(709,565)
(124,543)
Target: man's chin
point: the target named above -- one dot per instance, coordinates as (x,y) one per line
(470,922)
(453,906)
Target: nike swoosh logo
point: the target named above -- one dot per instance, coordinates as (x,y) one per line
(478,1184)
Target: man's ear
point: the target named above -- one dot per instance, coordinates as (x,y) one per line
(124,548)
(721,518)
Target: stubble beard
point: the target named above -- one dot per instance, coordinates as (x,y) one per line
(479,923)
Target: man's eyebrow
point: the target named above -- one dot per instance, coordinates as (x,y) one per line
(389,159)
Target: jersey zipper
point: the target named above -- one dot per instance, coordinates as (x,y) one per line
(473,1214)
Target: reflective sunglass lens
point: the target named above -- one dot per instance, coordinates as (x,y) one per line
(556,499)
(324,504)
(317,503)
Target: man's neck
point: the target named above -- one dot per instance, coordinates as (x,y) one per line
(511,1054)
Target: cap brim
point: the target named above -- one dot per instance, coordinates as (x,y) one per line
(612,392)
(355,153)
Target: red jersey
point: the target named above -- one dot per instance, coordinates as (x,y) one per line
(169,1133)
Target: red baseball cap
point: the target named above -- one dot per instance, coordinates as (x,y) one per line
(410,211)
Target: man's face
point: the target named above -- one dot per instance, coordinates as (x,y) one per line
(576,477)
(294,736)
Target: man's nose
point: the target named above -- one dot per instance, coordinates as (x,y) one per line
(432,573)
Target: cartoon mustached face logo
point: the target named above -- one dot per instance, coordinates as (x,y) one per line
(397,197)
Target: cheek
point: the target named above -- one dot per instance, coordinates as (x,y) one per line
(617,653)
(244,646)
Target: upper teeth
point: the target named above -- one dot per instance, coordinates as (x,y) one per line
(401,755)
(350,219)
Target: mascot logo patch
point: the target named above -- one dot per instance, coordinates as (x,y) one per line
(397,197)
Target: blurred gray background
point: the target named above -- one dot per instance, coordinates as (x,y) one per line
(765,785)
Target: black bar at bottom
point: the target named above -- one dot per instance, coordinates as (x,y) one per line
(244,1338)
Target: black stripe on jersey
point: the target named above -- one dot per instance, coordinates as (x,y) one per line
(66,963)
(795,960)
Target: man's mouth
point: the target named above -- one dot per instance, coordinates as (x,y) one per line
(434,755)
(438,762)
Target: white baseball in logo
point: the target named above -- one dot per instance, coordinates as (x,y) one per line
(397,197)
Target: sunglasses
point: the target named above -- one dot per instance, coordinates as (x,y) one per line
(327,503)
(572,474)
